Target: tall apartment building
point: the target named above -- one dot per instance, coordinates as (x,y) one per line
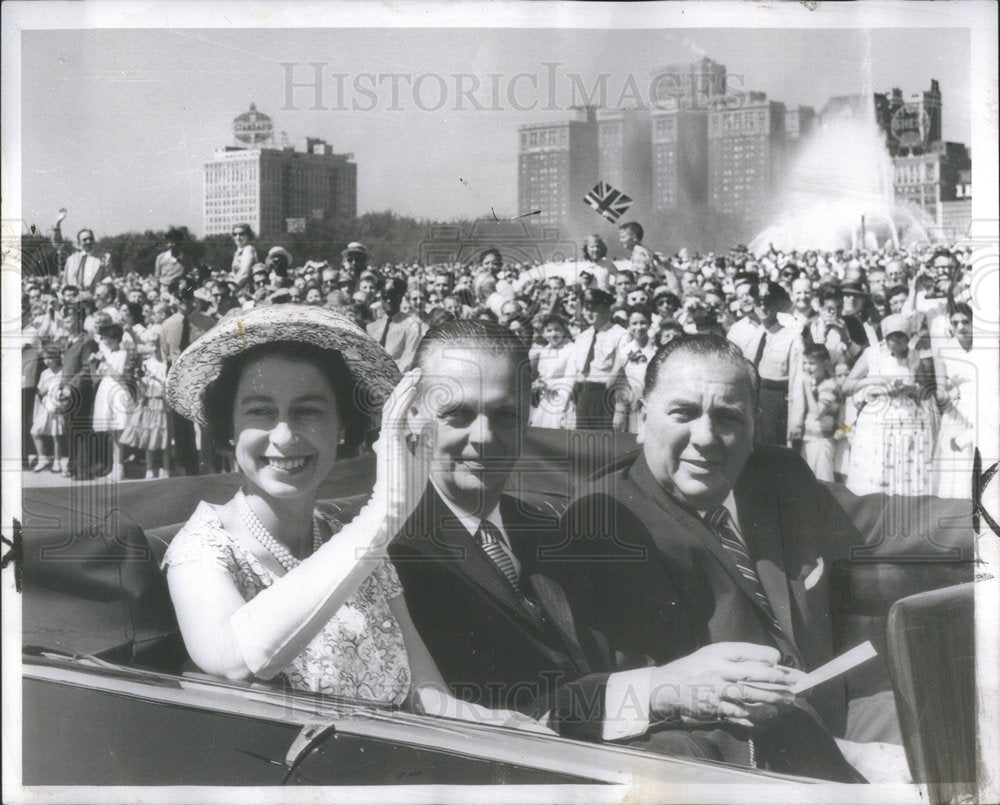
(694,86)
(557,166)
(912,122)
(680,159)
(624,154)
(275,190)
(746,149)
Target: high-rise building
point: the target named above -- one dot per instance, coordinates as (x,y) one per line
(275,190)
(695,86)
(914,121)
(932,179)
(680,159)
(745,154)
(557,166)
(623,153)
(799,123)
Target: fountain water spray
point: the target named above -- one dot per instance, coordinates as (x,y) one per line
(842,175)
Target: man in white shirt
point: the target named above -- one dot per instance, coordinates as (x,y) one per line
(597,362)
(82,269)
(398,332)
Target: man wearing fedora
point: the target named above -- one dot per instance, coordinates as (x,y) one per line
(596,358)
(354,258)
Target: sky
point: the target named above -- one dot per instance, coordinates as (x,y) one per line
(116,124)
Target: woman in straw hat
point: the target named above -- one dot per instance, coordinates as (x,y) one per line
(271,583)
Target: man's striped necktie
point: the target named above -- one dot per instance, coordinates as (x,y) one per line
(492,541)
(722,526)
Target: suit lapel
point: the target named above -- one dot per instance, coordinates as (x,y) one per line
(762,530)
(685,522)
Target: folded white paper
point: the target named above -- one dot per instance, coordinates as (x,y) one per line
(837,666)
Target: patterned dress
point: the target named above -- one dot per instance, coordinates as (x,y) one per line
(358,654)
(893,438)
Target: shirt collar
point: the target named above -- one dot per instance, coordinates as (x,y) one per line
(470,521)
(730,504)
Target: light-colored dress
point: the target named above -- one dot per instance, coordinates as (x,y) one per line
(113,403)
(893,439)
(635,360)
(360,652)
(555,407)
(147,427)
(47,418)
(958,374)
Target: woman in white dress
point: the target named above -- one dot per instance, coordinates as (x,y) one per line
(554,377)
(958,373)
(270,584)
(113,402)
(893,440)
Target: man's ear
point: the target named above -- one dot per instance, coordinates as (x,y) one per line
(640,436)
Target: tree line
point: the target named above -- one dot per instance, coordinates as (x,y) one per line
(390,238)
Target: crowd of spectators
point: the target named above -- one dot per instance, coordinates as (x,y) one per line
(865,358)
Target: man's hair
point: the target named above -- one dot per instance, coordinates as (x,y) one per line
(817,352)
(246,228)
(773,292)
(634,228)
(79,235)
(896,290)
(473,334)
(697,346)
(112,331)
(828,292)
(943,252)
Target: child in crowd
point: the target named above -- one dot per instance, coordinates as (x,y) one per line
(814,411)
(113,401)
(553,377)
(47,422)
(153,435)
(846,420)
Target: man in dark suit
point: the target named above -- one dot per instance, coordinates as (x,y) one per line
(473,570)
(703,539)
(77,393)
(176,334)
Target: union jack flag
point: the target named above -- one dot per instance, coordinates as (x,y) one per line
(609,202)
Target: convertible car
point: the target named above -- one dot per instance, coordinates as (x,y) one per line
(111,698)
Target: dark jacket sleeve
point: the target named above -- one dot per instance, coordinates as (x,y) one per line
(83,376)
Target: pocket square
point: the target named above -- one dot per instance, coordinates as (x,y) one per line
(815,575)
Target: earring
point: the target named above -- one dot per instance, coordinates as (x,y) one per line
(342,438)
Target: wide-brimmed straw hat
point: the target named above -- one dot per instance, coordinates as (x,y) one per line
(374,372)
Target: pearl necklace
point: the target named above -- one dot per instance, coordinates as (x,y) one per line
(263,536)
